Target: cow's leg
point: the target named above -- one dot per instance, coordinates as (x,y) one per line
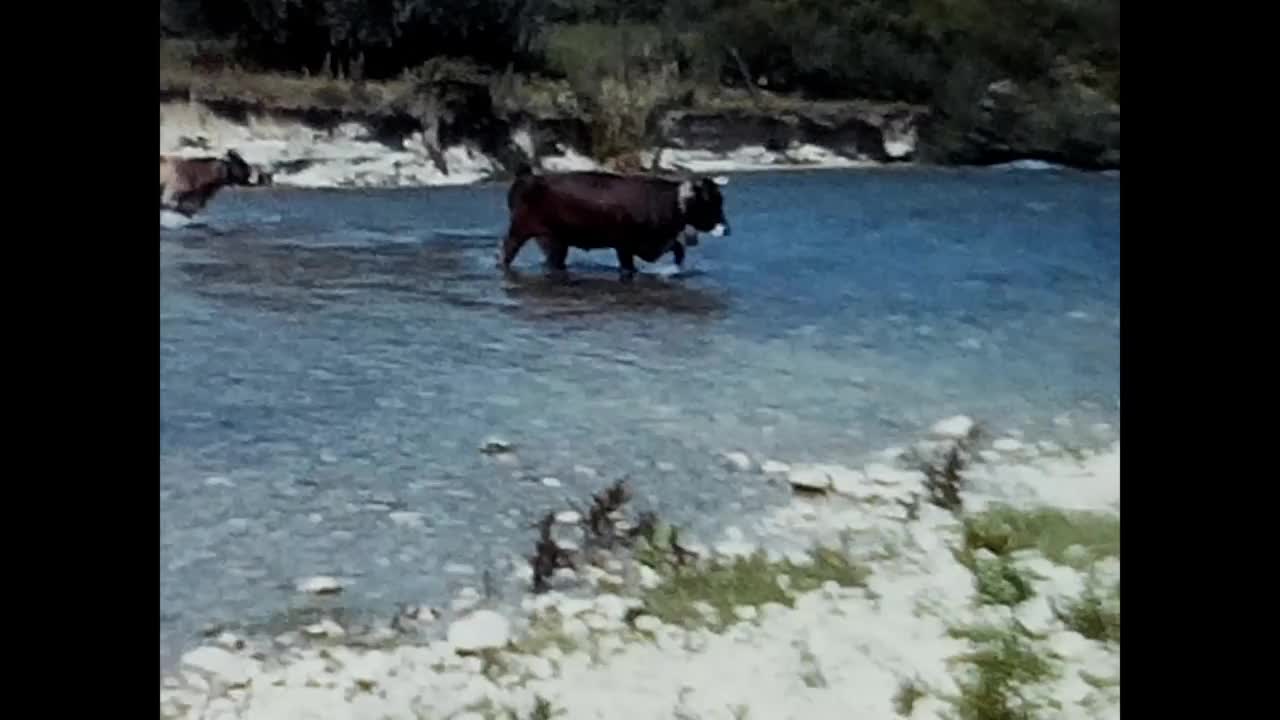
(627,262)
(677,250)
(557,253)
(511,247)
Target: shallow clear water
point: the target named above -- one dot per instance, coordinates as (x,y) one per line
(329,358)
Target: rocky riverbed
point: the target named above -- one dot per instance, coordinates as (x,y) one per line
(964,576)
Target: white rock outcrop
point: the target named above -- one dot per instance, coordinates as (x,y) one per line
(481,630)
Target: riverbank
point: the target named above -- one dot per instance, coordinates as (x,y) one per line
(307,150)
(456,128)
(967,575)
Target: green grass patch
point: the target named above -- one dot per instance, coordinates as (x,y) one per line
(1004,530)
(545,632)
(544,710)
(749,580)
(909,693)
(1095,614)
(1000,582)
(1003,663)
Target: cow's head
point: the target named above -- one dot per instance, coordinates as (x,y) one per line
(240,172)
(703,205)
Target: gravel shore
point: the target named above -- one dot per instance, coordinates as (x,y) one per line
(870,595)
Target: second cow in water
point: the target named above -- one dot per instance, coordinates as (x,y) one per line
(188,184)
(638,216)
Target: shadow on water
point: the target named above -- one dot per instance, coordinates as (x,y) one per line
(595,289)
(292,276)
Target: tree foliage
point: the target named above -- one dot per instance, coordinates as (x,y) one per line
(890,49)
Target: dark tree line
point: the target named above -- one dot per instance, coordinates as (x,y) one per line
(890,49)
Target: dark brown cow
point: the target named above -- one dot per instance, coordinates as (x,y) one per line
(187,184)
(637,216)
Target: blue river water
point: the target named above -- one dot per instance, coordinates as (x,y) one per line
(331,360)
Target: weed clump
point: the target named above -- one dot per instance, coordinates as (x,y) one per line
(1001,666)
(548,555)
(753,581)
(1000,582)
(944,482)
(909,693)
(1093,615)
(1004,530)
(605,528)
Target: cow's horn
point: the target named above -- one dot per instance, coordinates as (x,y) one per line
(720,180)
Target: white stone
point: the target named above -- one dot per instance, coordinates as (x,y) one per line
(1076,555)
(891,454)
(612,606)
(218,664)
(221,709)
(735,549)
(956,427)
(481,630)
(649,578)
(368,668)
(406,519)
(810,477)
(1048,447)
(990,456)
(325,628)
(896,481)
(799,558)
(575,629)
(320,585)
(568,517)
(454,568)
(229,641)
(847,481)
(219,481)
(775,467)
(539,667)
(495,445)
(648,623)
(738,460)
(1007,445)
(745,612)
(571,606)
(1063,420)
(597,622)
(551,482)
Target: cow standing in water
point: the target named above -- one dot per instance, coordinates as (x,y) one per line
(637,216)
(187,184)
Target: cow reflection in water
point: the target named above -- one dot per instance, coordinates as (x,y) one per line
(637,216)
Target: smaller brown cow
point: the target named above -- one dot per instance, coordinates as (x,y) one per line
(188,184)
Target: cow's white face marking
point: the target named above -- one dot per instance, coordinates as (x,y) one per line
(684,195)
(718,230)
(720,180)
